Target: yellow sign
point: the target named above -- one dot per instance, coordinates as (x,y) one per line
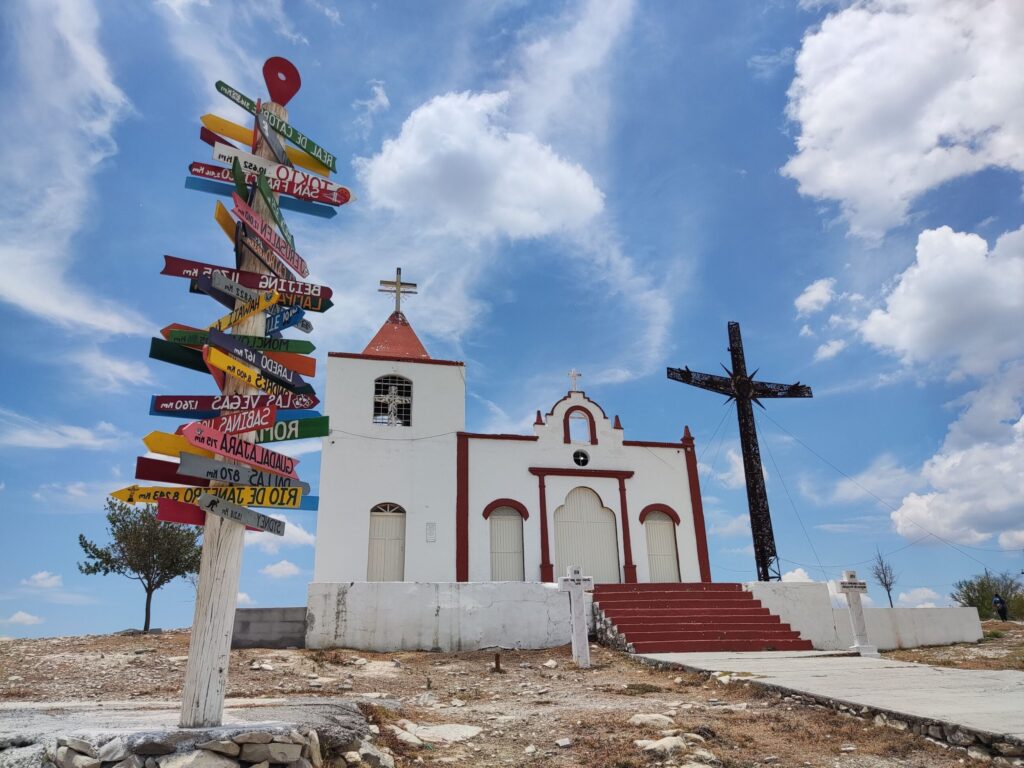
(243,372)
(234,317)
(222,217)
(231,130)
(244,495)
(167,444)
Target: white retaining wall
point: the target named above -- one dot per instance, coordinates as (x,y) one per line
(438,616)
(807,608)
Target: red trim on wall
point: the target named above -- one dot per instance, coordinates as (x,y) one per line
(660,508)
(423,361)
(461,508)
(650,444)
(506,503)
(698,508)
(482,436)
(547,570)
(623,474)
(590,418)
(568,396)
(629,569)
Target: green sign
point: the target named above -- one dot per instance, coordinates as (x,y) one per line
(264,344)
(297,138)
(176,354)
(239,176)
(275,210)
(294,429)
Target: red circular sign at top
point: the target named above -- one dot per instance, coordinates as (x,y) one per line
(282,79)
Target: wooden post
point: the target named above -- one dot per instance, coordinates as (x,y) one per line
(209,651)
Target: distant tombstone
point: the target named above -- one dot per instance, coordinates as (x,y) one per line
(853,588)
(575,583)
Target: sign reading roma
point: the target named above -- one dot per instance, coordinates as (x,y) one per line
(233,447)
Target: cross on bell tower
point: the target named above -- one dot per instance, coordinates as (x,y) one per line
(398,288)
(744,390)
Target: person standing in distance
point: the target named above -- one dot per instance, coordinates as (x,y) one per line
(1000,605)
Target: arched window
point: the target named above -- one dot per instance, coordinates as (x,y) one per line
(578,426)
(392,401)
(386,559)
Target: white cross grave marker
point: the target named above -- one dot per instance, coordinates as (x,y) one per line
(575,583)
(852,587)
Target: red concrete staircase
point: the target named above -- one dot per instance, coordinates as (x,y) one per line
(680,618)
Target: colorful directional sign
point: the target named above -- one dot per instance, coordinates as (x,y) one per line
(236,234)
(218,506)
(225,284)
(158,471)
(208,406)
(241,312)
(176,267)
(295,137)
(256,359)
(234,447)
(290,185)
(232,130)
(265,232)
(193,466)
(167,444)
(275,210)
(237,422)
(193,337)
(171,511)
(269,136)
(224,189)
(282,498)
(176,354)
(308,303)
(286,317)
(303,184)
(205,285)
(294,429)
(244,373)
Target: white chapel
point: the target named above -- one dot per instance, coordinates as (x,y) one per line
(408,495)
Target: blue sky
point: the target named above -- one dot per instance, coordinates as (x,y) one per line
(599,185)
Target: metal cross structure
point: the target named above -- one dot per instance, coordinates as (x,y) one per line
(397,287)
(393,400)
(744,390)
(574,375)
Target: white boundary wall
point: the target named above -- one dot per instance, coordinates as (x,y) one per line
(437,616)
(807,608)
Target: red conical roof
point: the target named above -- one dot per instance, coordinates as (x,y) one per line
(396,338)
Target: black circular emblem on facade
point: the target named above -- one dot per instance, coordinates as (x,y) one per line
(581,458)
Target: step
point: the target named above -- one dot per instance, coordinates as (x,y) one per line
(723,606)
(698,646)
(768,623)
(759,633)
(659,595)
(706,612)
(668,586)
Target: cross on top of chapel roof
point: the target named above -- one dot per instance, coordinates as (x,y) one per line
(397,287)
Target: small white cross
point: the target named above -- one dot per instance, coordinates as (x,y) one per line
(393,400)
(397,287)
(574,375)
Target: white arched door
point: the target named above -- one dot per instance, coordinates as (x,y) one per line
(586,535)
(506,545)
(386,561)
(661,547)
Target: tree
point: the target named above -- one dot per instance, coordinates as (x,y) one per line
(883,573)
(142,548)
(977,592)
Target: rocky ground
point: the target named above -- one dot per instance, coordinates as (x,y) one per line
(540,710)
(1001,648)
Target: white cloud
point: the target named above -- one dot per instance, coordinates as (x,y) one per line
(745,550)
(367,108)
(294,536)
(920,597)
(805,331)
(244,601)
(66,93)
(895,97)
(886,478)
(838,599)
(109,374)
(22,618)
(815,297)
(829,349)
(765,66)
(3,486)
(282,569)
(732,526)
(797,574)
(957,302)
(458,142)
(44,580)
(19,431)
(733,476)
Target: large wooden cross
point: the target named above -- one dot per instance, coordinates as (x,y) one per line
(744,390)
(397,287)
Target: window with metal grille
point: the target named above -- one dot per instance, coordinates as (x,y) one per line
(392,401)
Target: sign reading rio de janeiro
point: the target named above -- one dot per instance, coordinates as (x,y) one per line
(284,498)
(237,449)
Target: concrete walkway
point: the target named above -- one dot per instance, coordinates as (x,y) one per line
(980,700)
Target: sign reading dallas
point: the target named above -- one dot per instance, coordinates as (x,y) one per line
(193,466)
(233,447)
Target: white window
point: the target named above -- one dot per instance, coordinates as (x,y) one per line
(392,401)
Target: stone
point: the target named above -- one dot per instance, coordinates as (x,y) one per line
(352,758)
(550,664)
(253,737)
(264,764)
(151,746)
(360,662)
(81,745)
(562,743)
(228,748)
(694,737)
(1008,750)
(704,756)
(198,758)
(935,731)
(132,761)
(441,734)
(374,758)
(959,737)
(113,751)
(22,755)
(151,762)
(530,750)
(979,753)
(665,746)
(316,755)
(650,721)
(848,748)
(405,737)
(69,758)
(273,752)
(375,730)
(458,703)
(301,763)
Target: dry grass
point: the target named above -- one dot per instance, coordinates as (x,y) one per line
(1001,648)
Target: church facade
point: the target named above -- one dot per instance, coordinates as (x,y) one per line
(408,495)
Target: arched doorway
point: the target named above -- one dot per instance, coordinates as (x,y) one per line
(586,535)
(386,561)
(506,545)
(662,556)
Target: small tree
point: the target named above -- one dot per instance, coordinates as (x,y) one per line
(977,592)
(883,573)
(143,548)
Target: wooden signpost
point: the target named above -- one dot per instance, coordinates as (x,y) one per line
(217,469)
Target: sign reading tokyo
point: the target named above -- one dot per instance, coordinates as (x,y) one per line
(296,184)
(299,184)
(217,506)
(209,406)
(233,447)
(193,466)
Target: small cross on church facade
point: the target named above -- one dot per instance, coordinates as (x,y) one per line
(398,288)
(392,400)
(573,376)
